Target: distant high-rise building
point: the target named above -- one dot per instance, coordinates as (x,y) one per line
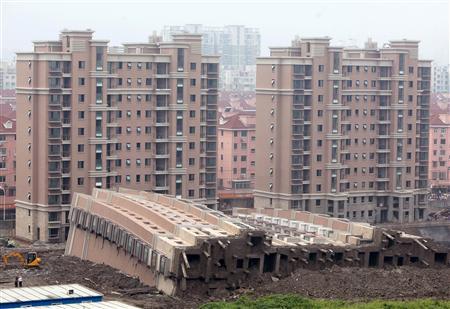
(343,131)
(440,79)
(7,75)
(143,117)
(237,45)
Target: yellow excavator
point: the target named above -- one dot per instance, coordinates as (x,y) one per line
(27,259)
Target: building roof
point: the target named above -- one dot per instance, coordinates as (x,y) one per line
(95,305)
(46,295)
(234,123)
(440,120)
(7,125)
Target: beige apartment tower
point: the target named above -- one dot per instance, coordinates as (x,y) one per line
(141,117)
(343,131)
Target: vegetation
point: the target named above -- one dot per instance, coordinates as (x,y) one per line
(294,301)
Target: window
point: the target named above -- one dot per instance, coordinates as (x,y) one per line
(193,66)
(81,81)
(80,164)
(80,147)
(192,97)
(80,131)
(319,158)
(193,82)
(320,98)
(81,98)
(80,181)
(321,67)
(320,83)
(81,64)
(81,115)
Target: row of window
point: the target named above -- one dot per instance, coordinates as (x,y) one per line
(115,234)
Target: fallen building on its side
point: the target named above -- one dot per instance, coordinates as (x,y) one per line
(174,244)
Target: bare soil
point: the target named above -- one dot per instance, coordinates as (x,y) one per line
(334,283)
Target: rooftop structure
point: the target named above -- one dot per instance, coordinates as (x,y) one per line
(172,244)
(96,305)
(47,295)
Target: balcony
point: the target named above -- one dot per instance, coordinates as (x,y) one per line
(66,122)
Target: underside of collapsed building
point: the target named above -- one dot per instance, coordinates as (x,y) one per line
(175,244)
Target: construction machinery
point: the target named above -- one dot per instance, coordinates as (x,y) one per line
(27,259)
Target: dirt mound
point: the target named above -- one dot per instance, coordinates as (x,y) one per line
(364,283)
(334,283)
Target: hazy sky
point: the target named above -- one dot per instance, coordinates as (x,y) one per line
(278,21)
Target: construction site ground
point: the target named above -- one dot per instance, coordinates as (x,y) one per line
(335,283)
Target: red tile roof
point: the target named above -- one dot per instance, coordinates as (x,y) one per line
(234,122)
(3,121)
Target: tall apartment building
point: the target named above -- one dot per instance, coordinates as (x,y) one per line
(440,80)
(343,131)
(143,119)
(439,174)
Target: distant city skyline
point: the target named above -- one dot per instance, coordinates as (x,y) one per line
(346,22)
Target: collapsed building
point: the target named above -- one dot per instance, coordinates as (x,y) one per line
(174,244)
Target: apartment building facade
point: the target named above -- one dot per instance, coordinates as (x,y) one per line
(143,119)
(343,131)
(439,169)
(236,160)
(7,167)
(236,151)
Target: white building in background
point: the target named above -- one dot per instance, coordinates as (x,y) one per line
(238,80)
(238,46)
(7,75)
(440,78)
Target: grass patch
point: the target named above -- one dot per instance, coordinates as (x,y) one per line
(284,301)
